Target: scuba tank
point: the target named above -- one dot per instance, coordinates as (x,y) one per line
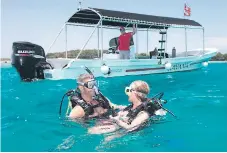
(151,105)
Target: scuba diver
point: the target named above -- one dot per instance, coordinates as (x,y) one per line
(87,101)
(135,115)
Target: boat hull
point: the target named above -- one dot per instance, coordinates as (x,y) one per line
(129,67)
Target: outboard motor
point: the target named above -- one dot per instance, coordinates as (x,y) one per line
(29,60)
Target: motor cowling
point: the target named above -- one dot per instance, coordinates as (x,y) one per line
(29,60)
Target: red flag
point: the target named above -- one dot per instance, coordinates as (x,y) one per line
(187,10)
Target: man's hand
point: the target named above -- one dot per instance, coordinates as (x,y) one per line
(134,29)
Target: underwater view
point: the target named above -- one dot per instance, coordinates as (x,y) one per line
(30,119)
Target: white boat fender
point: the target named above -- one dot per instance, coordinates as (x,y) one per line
(105,69)
(168,65)
(205,64)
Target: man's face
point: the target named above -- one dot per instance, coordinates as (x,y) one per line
(85,90)
(122,30)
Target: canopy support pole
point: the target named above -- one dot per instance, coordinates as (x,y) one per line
(66,48)
(186,47)
(98,41)
(203,41)
(148,39)
(166,48)
(127,25)
(137,40)
(56,38)
(147,42)
(101,39)
(87,40)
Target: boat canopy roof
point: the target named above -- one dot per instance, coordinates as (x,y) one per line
(117,18)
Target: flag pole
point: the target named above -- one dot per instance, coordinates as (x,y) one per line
(185,32)
(186,47)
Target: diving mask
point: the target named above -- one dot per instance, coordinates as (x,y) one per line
(90,84)
(128,90)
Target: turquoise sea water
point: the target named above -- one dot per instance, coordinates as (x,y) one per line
(30,121)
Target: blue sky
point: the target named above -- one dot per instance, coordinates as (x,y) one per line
(39,22)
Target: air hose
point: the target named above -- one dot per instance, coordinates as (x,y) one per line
(70,92)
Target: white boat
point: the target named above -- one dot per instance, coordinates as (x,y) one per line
(109,64)
(127,67)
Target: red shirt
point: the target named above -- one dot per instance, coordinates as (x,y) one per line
(124,41)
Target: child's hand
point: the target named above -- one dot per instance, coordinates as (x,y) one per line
(121,107)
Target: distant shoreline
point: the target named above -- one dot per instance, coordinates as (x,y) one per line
(8,61)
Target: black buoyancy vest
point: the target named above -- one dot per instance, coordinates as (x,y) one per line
(147,106)
(76,99)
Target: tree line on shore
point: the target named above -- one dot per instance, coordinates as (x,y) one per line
(94,53)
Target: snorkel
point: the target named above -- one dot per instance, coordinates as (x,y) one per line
(95,88)
(98,94)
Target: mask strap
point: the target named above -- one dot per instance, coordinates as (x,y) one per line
(145,95)
(80,83)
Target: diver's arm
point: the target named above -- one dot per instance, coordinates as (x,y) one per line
(141,118)
(77,112)
(103,129)
(115,106)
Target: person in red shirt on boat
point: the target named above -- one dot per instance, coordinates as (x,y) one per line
(124,42)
